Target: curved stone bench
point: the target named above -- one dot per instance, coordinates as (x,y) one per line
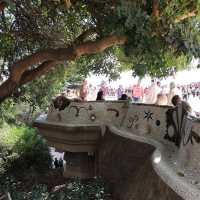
(81,128)
(164,161)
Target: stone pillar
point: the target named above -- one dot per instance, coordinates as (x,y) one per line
(78,164)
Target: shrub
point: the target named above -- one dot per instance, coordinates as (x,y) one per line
(75,190)
(7,112)
(30,148)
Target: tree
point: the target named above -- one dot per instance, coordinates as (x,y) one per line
(38,35)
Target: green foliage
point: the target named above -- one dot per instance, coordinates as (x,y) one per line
(39,192)
(155,43)
(94,189)
(39,93)
(23,149)
(29,26)
(105,63)
(7,112)
(75,190)
(46,25)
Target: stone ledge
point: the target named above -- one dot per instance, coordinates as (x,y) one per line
(166,169)
(126,166)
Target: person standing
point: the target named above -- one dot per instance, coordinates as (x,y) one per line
(159,88)
(100,96)
(60,163)
(161,99)
(83,91)
(172,92)
(119,91)
(56,163)
(152,94)
(137,92)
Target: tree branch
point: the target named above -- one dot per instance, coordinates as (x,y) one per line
(156,13)
(62,54)
(192,13)
(20,73)
(155,10)
(67,3)
(6,89)
(99,46)
(42,69)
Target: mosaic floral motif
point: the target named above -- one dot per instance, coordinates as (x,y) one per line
(132,121)
(179,127)
(148,115)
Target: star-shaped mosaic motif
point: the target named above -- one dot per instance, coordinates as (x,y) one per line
(148,115)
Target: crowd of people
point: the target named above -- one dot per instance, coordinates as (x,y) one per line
(190,90)
(58,163)
(155,93)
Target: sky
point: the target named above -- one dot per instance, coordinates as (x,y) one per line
(126,79)
(192,74)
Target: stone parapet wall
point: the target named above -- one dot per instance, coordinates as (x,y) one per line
(146,120)
(174,133)
(95,113)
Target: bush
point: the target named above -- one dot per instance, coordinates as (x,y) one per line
(7,112)
(24,149)
(75,190)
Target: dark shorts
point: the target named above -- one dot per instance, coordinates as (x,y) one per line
(136,99)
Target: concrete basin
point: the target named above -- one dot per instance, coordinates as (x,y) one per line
(69,137)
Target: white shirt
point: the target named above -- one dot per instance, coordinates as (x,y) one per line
(151,97)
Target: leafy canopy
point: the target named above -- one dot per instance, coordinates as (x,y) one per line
(160,34)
